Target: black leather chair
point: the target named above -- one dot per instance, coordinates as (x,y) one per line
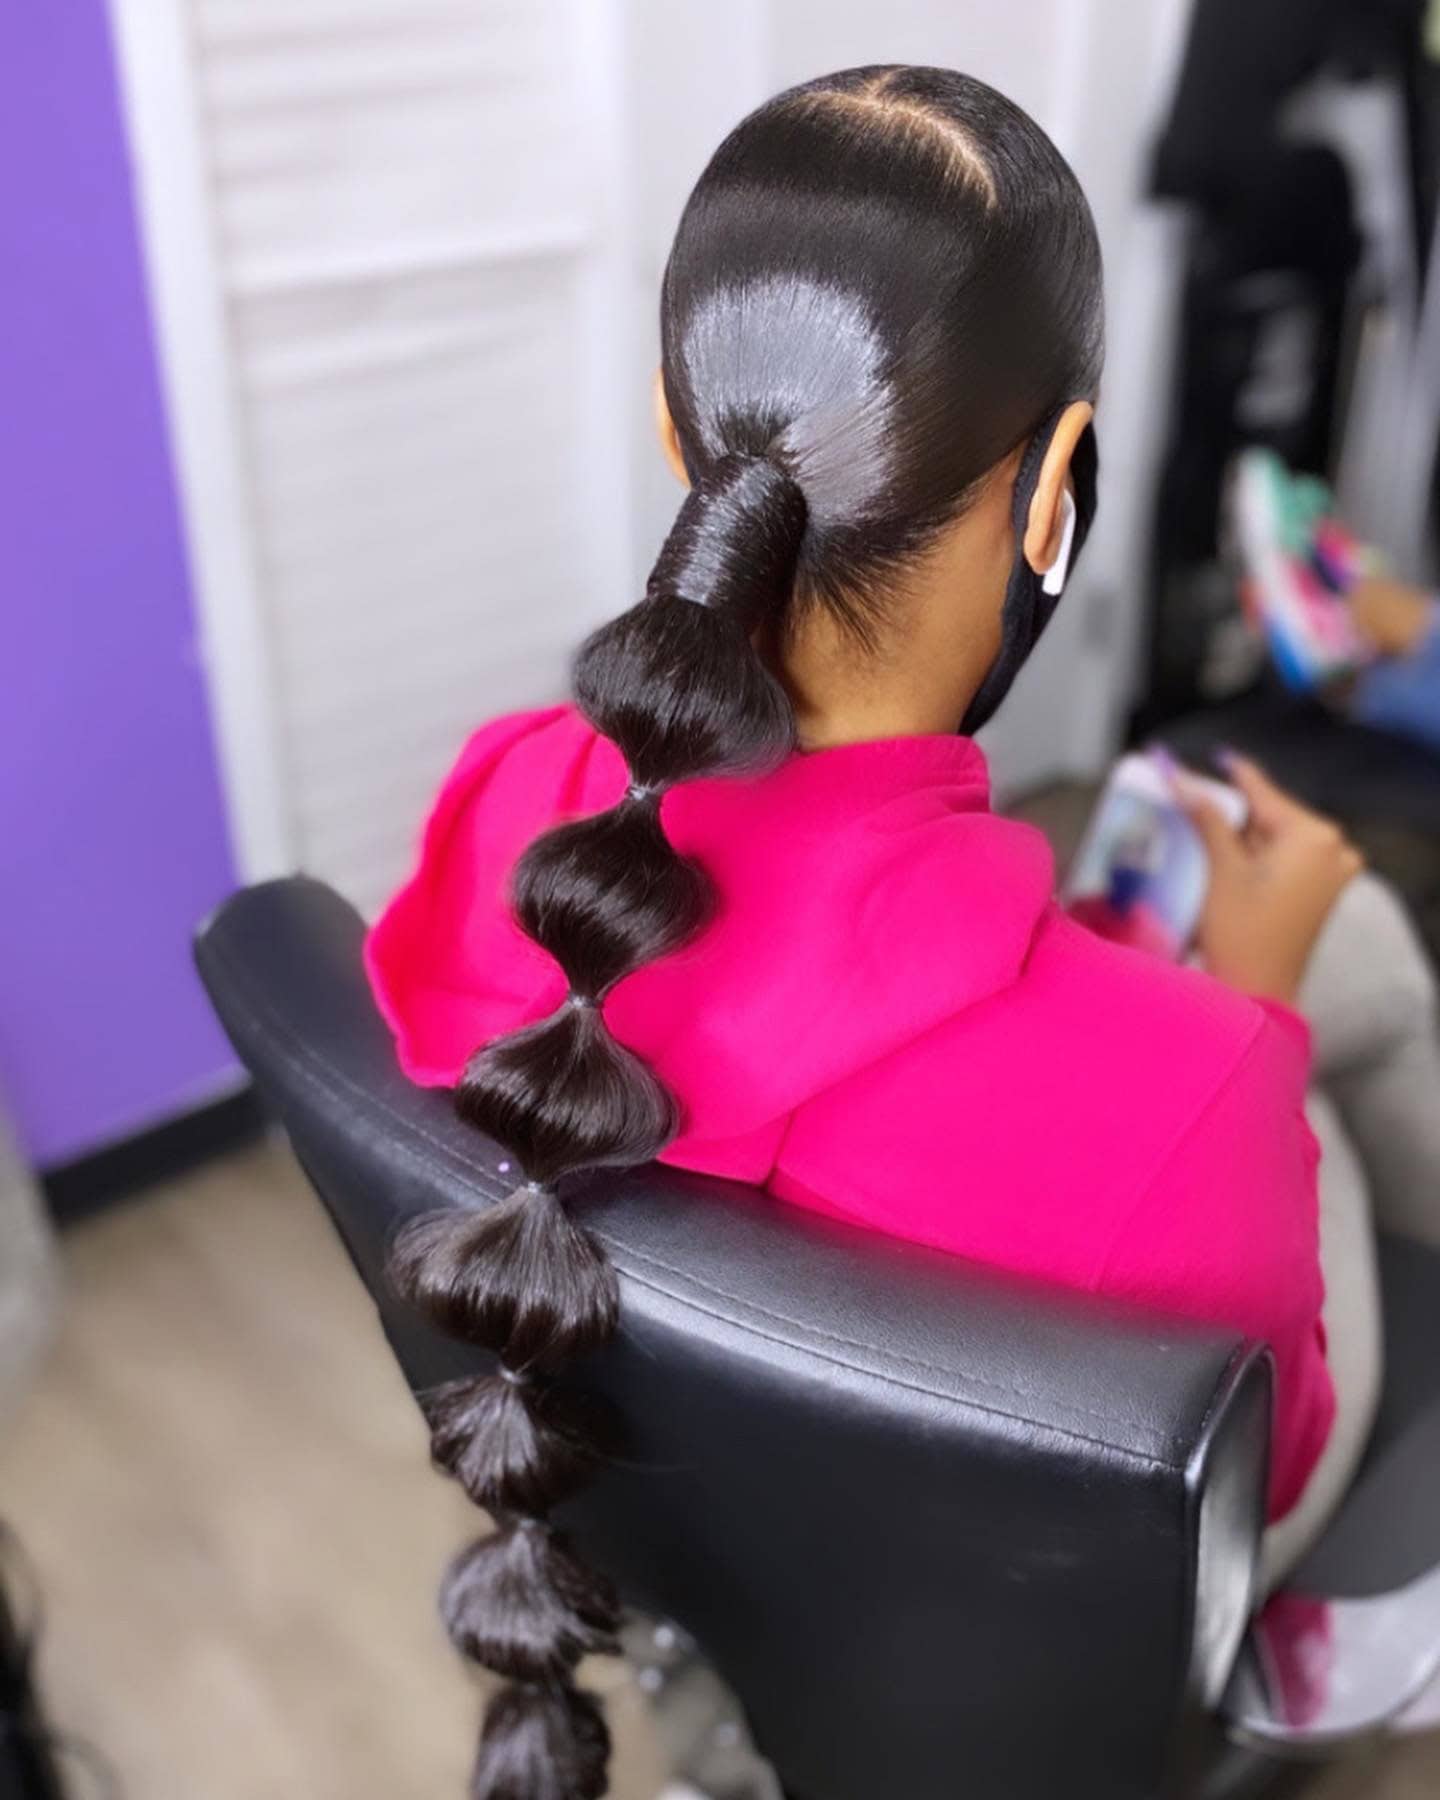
(943,1533)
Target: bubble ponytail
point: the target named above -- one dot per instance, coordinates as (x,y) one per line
(677,685)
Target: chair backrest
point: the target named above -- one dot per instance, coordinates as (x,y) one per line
(943,1533)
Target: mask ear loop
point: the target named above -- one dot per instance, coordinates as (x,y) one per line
(1030,599)
(1054,580)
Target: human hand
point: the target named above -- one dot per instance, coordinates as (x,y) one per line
(1394,616)
(1272,884)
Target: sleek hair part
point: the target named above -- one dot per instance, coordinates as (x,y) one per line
(884,282)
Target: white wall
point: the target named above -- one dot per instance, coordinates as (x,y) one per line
(421,334)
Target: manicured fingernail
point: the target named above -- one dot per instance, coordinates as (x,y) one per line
(1164,758)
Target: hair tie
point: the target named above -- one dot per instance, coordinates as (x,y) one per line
(638,791)
(516,1377)
(581,1002)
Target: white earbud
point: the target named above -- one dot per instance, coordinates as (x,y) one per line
(1054,578)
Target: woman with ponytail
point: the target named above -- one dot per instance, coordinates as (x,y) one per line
(742,905)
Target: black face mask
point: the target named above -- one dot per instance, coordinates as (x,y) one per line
(1028,608)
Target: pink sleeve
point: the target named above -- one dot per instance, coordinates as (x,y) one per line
(1228,1230)
(431,956)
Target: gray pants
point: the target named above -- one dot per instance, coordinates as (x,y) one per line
(1370,998)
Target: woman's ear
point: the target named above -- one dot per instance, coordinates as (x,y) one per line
(665,430)
(1045,528)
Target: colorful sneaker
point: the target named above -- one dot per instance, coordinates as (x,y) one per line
(1340,558)
(1275,519)
(1310,501)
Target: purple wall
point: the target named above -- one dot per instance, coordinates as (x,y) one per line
(112,841)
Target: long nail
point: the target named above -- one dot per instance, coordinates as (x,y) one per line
(1164,759)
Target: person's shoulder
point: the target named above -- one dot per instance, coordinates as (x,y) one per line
(1157,1028)
(1203,1090)
(1139,990)
(1034,1120)
(528,756)
(504,732)
(503,784)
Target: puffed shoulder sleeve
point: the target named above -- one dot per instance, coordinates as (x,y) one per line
(438,955)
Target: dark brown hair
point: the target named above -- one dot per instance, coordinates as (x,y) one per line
(884,282)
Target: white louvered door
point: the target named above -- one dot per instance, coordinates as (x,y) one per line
(407,204)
